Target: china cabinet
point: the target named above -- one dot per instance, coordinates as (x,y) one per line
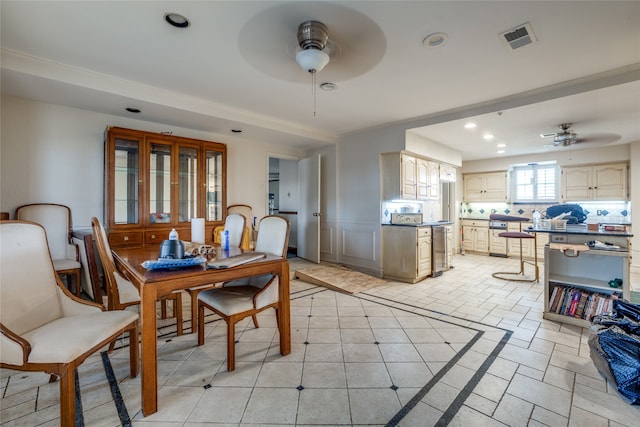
(155,182)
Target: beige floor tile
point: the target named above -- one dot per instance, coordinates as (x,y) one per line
(481,404)
(547,396)
(280,375)
(548,418)
(324,407)
(513,412)
(605,404)
(373,406)
(324,375)
(467,416)
(277,406)
(361,353)
(221,405)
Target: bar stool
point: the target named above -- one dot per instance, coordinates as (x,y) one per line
(520,235)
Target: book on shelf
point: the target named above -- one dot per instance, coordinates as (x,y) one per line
(580,303)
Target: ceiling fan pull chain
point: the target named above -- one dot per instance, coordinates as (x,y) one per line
(313,91)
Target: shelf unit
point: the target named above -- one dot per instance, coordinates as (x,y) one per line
(589,271)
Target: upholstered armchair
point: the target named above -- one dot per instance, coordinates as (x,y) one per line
(43,326)
(56,220)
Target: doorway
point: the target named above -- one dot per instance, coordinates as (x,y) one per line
(282,197)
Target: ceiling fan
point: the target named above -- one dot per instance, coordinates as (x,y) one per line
(565,137)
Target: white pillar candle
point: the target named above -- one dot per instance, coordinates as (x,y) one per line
(197,230)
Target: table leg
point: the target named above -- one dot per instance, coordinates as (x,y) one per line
(149,350)
(284,311)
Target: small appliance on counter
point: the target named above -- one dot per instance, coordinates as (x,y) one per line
(406,218)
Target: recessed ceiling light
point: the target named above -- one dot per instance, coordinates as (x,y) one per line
(501,145)
(470,125)
(435,40)
(176,20)
(501,151)
(487,137)
(133,110)
(328,86)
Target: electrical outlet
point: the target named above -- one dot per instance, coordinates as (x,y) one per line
(599,212)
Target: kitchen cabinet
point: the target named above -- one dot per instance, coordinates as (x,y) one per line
(406,253)
(595,182)
(497,244)
(156,182)
(485,187)
(475,235)
(406,176)
(447,173)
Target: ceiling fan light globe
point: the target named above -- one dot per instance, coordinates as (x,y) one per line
(312,60)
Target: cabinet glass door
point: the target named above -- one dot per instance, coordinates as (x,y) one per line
(159,183)
(126,181)
(214,183)
(187,183)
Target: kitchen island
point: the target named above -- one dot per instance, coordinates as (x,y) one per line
(585,270)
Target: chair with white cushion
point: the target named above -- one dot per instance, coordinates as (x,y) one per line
(43,326)
(56,220)
(241,298)
(235,225)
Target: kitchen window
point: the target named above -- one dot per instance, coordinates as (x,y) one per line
(535,183)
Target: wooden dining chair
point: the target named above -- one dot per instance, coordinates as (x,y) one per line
(121,293)
(43,326)
(56,220)
(235,224)
(241,298)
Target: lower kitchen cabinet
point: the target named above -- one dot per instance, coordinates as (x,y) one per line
(406,253)
(475,235)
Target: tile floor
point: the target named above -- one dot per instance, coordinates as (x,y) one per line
(463,349)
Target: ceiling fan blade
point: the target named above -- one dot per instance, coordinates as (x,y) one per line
(548,135)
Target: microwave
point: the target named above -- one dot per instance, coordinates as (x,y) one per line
(406,218)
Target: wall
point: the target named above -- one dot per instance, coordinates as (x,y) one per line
(357,227)
(51,153)
(634,177)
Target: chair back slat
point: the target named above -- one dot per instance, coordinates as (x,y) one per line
(56,220)
(28,289)
(108,264)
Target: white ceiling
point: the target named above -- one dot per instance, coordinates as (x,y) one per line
(234,67)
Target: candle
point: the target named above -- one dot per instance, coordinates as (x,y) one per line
(197,230)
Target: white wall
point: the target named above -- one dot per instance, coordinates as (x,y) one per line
(51,153)
(634,178)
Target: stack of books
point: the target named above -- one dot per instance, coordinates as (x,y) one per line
(580,303)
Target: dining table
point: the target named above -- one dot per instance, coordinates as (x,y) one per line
(156,283)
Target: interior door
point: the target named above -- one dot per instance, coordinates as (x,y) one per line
(309,209)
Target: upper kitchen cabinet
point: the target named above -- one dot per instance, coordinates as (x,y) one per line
(156,182)
(406,176)
(595,182)
(485,187)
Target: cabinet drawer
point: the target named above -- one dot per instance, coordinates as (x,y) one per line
(424,232)
(124,238)
(151,237)
(475,223)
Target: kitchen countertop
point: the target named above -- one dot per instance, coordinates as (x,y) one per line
(580,229)
(423,224)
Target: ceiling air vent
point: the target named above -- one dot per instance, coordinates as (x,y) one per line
(518,37)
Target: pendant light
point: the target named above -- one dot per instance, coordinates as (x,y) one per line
(312,38)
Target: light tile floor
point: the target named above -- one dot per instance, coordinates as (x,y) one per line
(463,349)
